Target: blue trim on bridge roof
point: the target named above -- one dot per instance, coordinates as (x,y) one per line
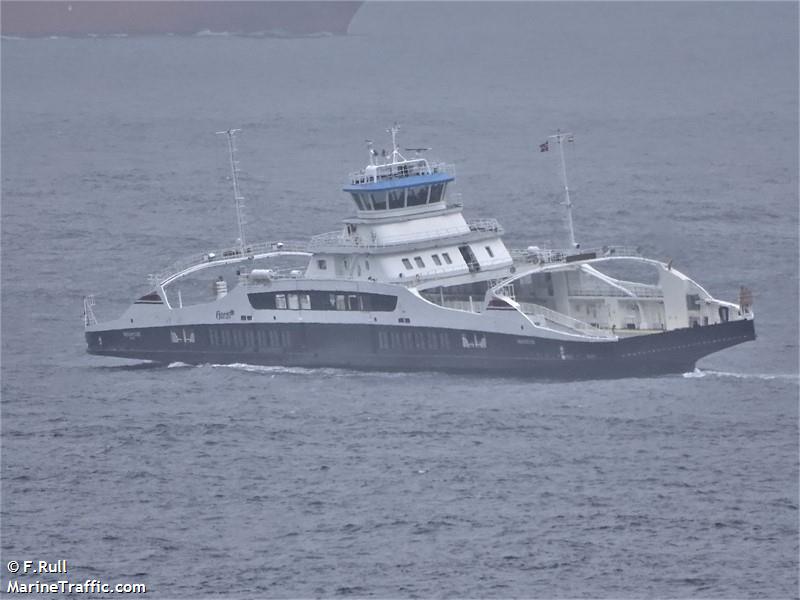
(400,183)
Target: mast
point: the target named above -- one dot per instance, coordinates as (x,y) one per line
(559,138)
(396,156)
(237,197)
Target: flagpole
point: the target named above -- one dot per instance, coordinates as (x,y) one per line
(559,138)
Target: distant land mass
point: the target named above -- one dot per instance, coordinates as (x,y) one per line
(32,18)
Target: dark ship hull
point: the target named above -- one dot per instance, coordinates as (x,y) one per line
(406,348)
(183,17)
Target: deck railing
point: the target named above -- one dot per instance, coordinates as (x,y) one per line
(537,310)
(548,255)
(224,254)
(88,311)
(400,171)
(637,290)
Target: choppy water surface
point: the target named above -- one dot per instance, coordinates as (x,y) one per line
(276,482)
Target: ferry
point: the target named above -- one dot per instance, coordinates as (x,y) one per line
(407,283)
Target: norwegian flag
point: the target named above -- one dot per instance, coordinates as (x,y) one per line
(544,147)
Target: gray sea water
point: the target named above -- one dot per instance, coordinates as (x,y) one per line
(244,481)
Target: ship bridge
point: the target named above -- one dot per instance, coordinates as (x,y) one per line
(399,184)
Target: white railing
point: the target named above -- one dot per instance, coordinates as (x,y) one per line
(400,170)
(531,310)
(88,313)
(537,310)
(225,254)
(548,255)
(341,240)
(639,290)
(473,306)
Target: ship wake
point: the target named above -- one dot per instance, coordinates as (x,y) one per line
(700,373)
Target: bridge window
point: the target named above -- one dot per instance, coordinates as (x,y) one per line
(379,200)
(446,258)
(360,200)
(280,301)
(322,264)
(397,198)
(418,196)
(489,252)
(407,264)
(436,260)
(418,260)
(437,192)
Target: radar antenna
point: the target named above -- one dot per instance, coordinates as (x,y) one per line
(416,151)
(560,138)
(237,197)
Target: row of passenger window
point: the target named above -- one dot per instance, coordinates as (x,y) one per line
(413,340)
(402,198)
(315,300)
(228,336)
(421,263)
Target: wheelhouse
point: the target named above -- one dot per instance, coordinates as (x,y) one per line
(399,185)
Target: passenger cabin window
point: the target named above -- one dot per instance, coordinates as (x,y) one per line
(436,260)
(322,264)
(446,258)
(354,302)
(418,260)
(407,264)
(317,300)
(489,252)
